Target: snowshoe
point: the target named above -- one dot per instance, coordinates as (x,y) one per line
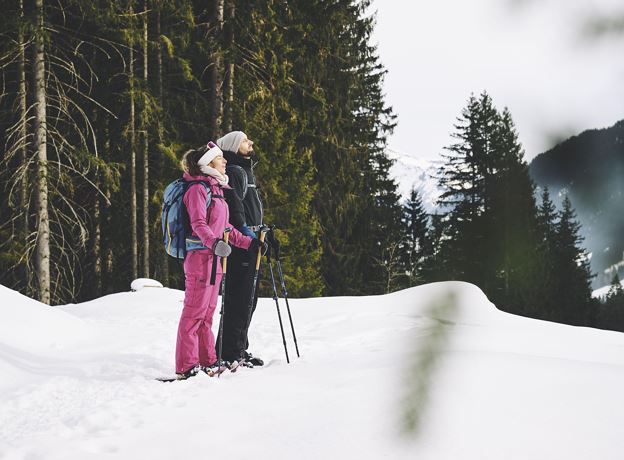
(213,369)
(253,360)
(192,372)
(232,366)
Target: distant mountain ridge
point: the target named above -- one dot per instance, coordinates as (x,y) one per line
(409,171)
(589,167)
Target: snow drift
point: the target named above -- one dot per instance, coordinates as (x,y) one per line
(78,382)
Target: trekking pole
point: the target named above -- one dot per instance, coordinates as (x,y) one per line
(263,232)
(285,292)
(279,315)
(226,236)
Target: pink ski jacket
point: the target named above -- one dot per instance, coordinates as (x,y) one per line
(209,223)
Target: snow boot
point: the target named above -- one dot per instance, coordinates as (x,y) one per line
(214,369)
(192,372)
(251,359)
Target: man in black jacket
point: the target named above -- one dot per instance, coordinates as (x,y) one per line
(246,215)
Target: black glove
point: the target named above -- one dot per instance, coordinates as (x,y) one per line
(274,243)
(255,244)
(221,248)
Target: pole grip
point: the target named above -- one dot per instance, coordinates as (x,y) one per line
(263,233)
(226,238)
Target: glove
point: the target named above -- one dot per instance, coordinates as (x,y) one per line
(255,244)
(221,248)
(273,243)
(247,231)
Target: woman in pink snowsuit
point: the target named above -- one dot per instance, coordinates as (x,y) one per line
(195,347)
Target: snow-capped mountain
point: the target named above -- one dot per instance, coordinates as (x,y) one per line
(410,171)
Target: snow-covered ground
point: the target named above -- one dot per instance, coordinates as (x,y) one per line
(78,382)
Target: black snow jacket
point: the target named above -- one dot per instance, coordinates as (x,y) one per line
(243,199)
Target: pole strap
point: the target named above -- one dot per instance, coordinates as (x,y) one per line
(213,271)
(215,258)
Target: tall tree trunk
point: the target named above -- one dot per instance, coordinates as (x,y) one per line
(216,74)
(97,227)
(144,127)
(105,220)
(161,134)
(228,90)
(133,178)
(23,155)
(97,240)
(43,221)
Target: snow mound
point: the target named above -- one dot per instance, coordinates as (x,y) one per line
(29,325)
(450,302)
(495,378)
(142,283)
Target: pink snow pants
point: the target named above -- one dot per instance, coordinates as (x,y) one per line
(196,342)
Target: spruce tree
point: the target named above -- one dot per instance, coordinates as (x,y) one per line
(433,265)
(571,269)
(616,291)
(545,288)
(263,78)
(490,231)
(463,178)
(511,221)
(66,129)
(612,312)
(344,121)
(301,78)
(416,221)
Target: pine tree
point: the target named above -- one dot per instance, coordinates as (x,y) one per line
(145,125)
(490,232)
(571,269)
(285,172)
(61,102)
(545,288)
(344,121)
(616,291)
(131,129)
(215,85)
(304,82)
(416,221)
(229,26)
(615,304)
(512,221)
(612,310)
(42,263)
(433,266)
(463,177)
(16,172)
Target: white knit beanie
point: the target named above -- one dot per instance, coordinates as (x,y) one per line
(231,141)
(212,152)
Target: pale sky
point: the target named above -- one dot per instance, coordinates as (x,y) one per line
(529,55)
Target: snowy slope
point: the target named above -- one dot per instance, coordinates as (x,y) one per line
(601,292)
(505,387)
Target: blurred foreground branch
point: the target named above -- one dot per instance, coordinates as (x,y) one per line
(424,360)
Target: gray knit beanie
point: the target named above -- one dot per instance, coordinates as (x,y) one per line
(231,141)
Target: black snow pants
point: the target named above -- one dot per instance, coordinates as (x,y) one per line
(236,315)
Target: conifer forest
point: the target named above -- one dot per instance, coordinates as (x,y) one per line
(99,100)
